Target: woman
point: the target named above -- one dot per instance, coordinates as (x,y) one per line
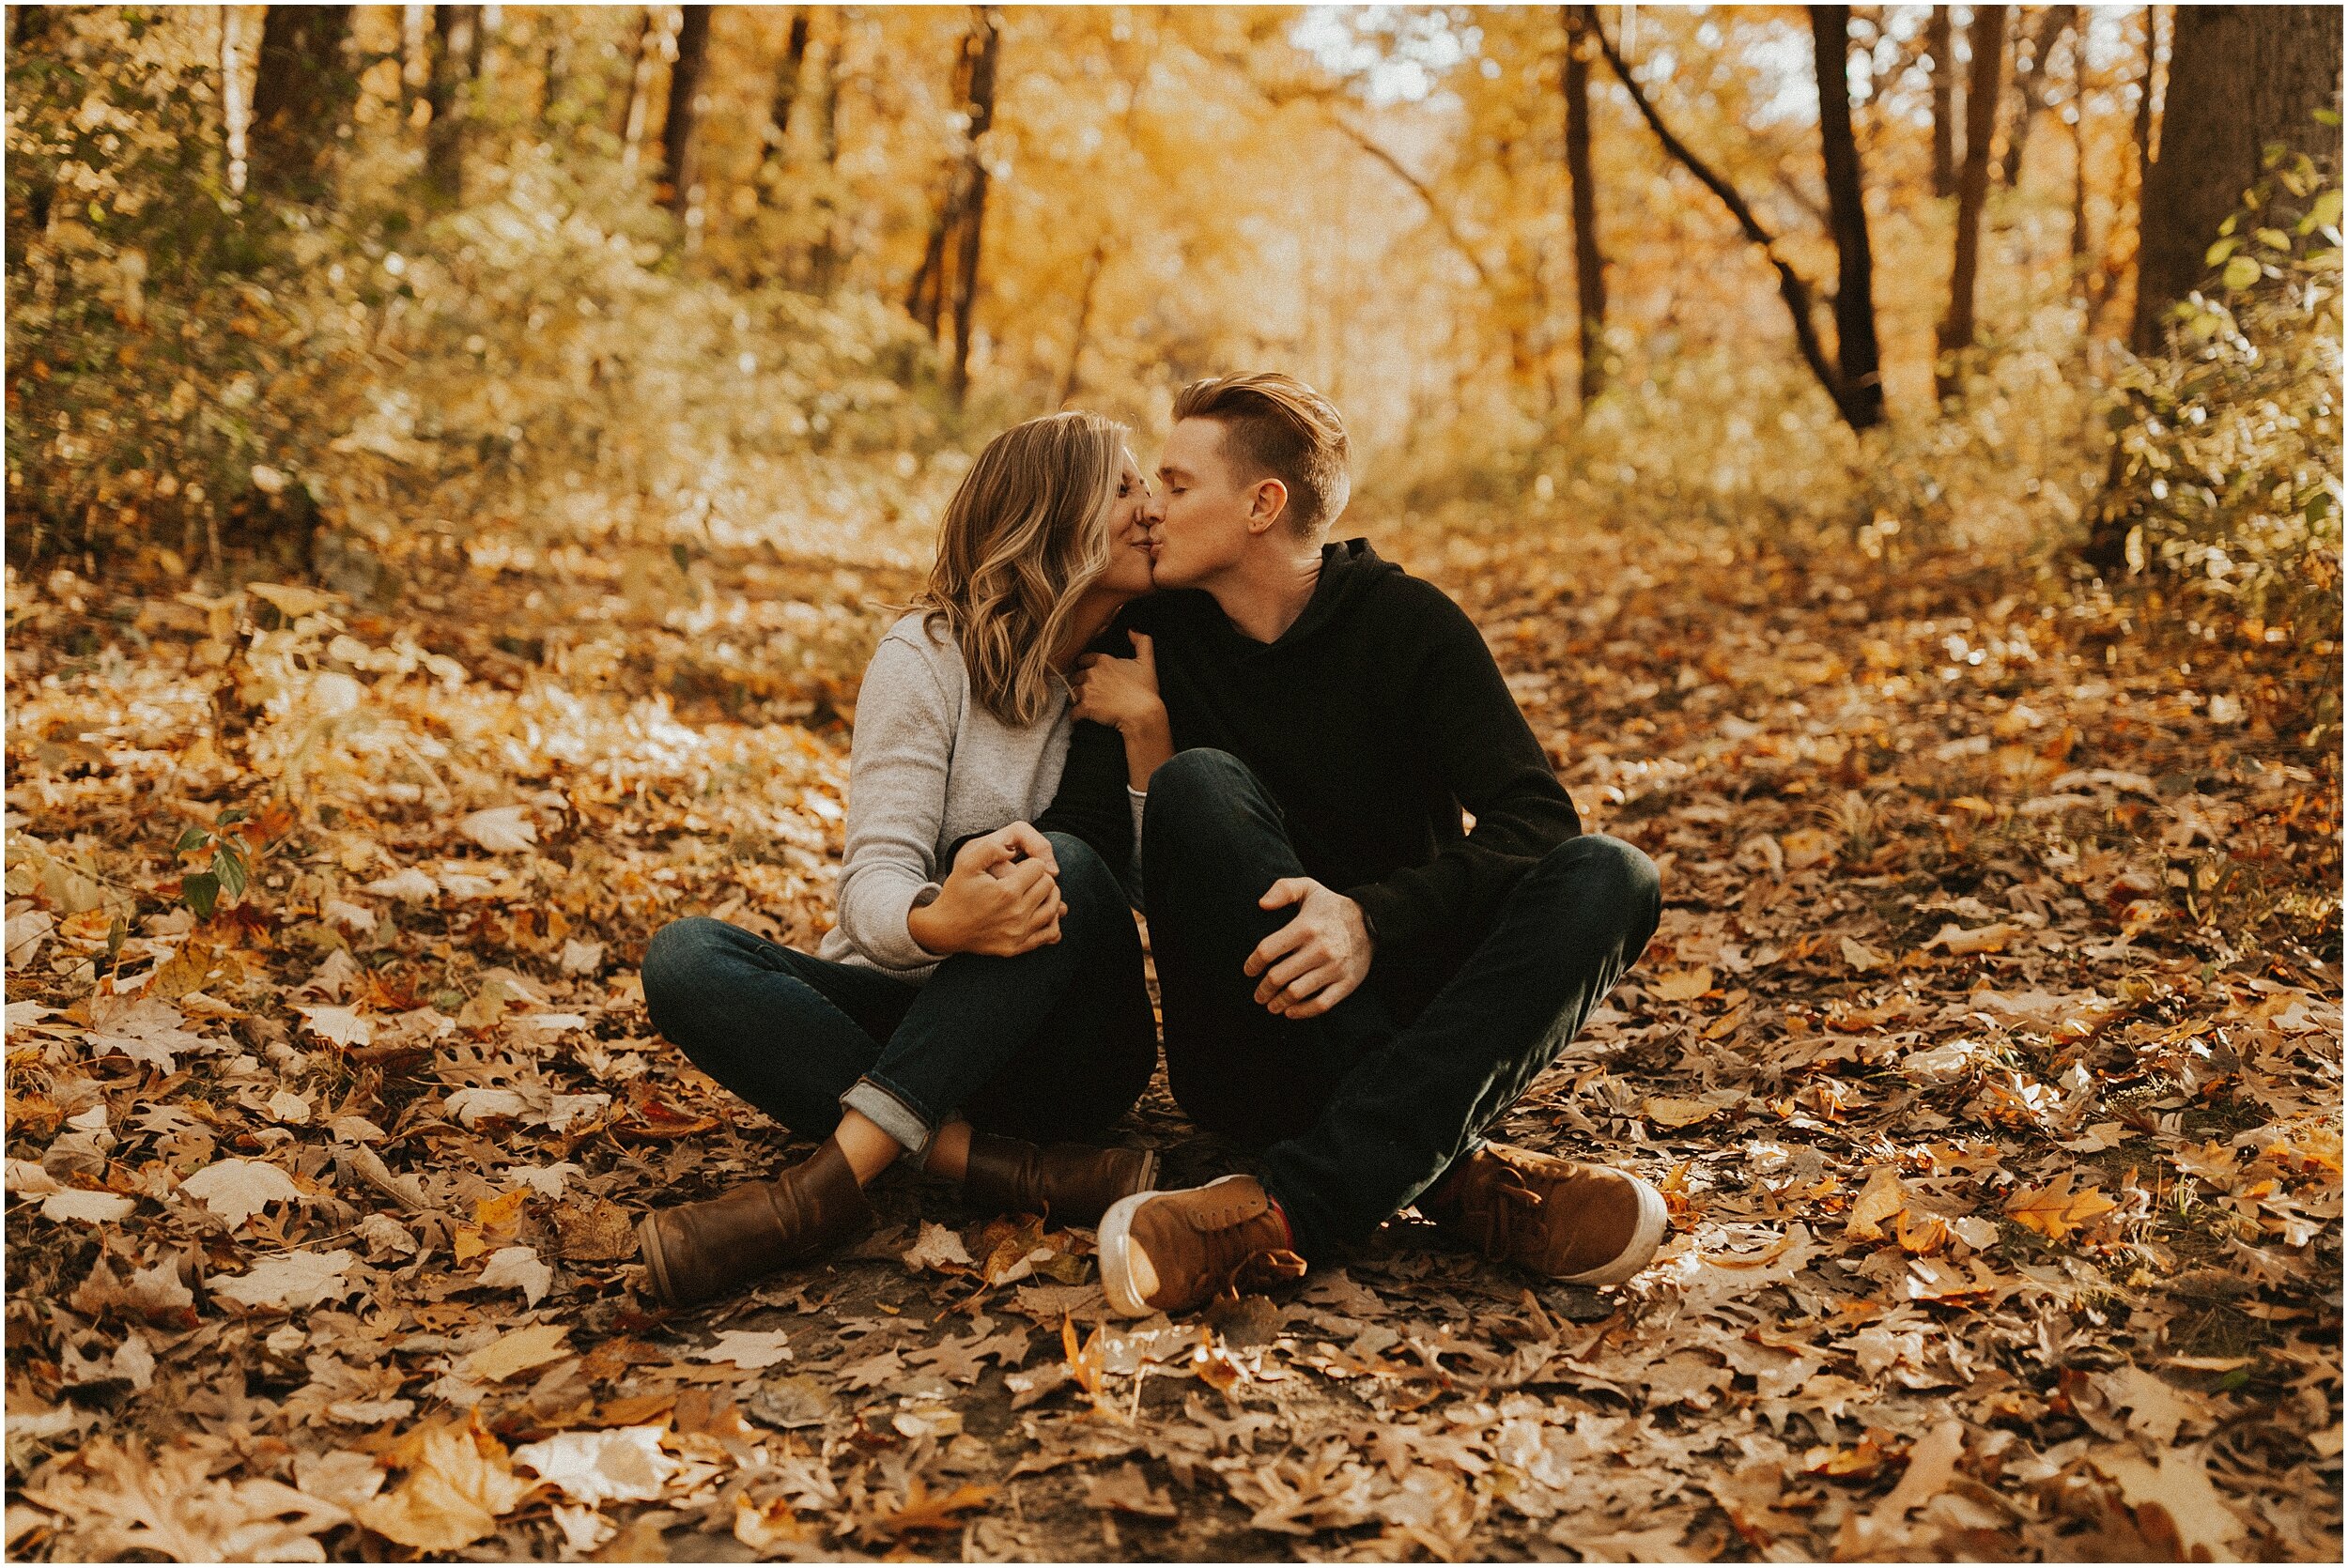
(982,990)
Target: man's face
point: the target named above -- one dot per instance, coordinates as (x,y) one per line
(1202,524)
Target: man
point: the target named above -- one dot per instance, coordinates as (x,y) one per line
(1352,982)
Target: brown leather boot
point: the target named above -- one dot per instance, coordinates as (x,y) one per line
(1074,1183)
(1170,1251)
(699,1250)
(1584,1224)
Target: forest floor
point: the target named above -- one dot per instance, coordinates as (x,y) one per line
(1989,1051)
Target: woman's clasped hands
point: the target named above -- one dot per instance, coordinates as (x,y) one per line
(1001,899)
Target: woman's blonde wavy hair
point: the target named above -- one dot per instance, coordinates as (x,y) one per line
(1024,535)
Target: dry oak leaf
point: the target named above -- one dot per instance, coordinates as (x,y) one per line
(459,1484)
(1681,985)
(2176,1488)
(2055,1210)
(237,1189)
(923,1510)
(290,1281)
(501,829)
(142,1028)
(748,1350)
(1861,957)
(940,1250)
(1126,1490)
(517,1352)
(1882,1199)
(517,1269)
(168,1505)
(338,1026)
(1674,1111)
(1960,942)
(76,1202)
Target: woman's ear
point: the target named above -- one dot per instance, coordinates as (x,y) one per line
(1266,503)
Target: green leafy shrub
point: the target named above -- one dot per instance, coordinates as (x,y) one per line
(2227,469)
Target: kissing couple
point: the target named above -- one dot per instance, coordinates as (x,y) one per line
(1111,694)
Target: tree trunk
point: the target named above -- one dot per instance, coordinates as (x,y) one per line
(786,97)
(823,255)
(1070,375)
(302,91)
(1790,287)
(2029,81)
(1589,262)
(1856,353)
(676,130)
(2241,78)
(986,40)
(2083,243)
(455,61)
(639,111)
(1940,39)
(1973,190)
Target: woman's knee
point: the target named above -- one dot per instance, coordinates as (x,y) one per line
(679,960)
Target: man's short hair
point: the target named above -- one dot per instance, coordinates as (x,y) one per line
(1275,424)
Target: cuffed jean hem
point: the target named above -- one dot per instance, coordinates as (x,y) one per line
(889,1111)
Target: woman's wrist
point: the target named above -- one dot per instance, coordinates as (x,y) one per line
(932,928)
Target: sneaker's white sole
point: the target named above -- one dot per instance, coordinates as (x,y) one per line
(1119,1279)
(1655,1217)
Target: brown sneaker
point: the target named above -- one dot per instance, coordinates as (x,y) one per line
(1170,1251)
(699,1250)
(1584,1224)
(1073,1183)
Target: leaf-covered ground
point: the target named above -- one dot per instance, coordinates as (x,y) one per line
(1989,1051)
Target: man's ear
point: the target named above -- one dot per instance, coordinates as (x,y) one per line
(1266,504)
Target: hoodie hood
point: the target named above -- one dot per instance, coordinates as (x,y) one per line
(1347,571)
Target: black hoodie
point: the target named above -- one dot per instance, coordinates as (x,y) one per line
(1372,721)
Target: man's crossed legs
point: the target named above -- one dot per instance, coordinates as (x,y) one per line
(1378,1103)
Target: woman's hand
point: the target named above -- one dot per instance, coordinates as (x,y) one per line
(1123,695)
(1120,693)
(1001,899)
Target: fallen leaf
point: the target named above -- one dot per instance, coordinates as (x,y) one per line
(290,1280)
(1959,942)
(2054,1211)
(517,1269)
(750,1351)
(517,1352)
(237,1189)
(1126,1490)
(1881,1199)
(1681,985)
(939,1250)
(622,1465)
(501,829)
(1861,957)
(458,1484)
(76,1202)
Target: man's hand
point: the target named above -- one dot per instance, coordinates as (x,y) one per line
(1001,899)
(1318,958)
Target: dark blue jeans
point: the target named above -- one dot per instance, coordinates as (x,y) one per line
(1056,1042)
(1361,1110)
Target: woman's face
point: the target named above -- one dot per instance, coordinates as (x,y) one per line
(1128,570)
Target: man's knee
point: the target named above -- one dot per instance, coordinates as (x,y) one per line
(1610,873)
(1192,789)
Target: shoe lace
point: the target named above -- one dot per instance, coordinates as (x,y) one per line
(1262,1269)
(1490,1221)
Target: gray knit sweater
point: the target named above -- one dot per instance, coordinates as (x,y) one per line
(929,765)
